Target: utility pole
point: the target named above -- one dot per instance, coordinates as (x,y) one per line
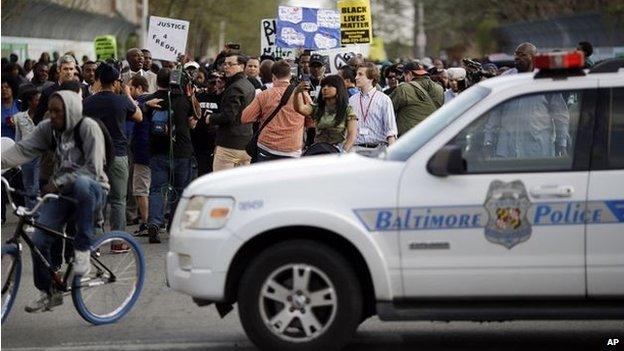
(221,35)
(420,38)
(144,14)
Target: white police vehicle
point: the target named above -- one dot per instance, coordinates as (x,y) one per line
(507,203)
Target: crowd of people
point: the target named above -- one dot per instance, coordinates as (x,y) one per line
(137,132)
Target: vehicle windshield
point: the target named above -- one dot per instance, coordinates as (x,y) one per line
(413,140)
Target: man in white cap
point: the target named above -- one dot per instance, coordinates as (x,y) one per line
(457,83)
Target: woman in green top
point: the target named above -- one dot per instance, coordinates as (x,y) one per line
(336,122)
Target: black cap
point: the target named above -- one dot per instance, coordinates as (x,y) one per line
(106,73)
(316,59)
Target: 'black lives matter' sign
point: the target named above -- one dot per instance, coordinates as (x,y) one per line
(166,38)
(355,21)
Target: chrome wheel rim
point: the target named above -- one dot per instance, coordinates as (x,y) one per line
(298,302)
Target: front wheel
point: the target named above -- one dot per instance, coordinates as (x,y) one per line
(300,295)
(11,274)
(114,284)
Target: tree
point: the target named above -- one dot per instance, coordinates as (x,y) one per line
(242,21)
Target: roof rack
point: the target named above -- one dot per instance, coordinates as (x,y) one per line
(608,66)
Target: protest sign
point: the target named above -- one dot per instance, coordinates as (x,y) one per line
(105,47)
(355,21)
(338,57)
(307,28)
(267,41)
(166,38)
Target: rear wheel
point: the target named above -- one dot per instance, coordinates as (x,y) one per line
(114,284)
(11,274)
(300,295)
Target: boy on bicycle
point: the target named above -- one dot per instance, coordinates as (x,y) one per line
(78,173)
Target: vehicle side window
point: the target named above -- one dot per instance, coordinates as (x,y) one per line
(616,130)
(529,133)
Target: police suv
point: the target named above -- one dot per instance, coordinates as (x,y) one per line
(506,203)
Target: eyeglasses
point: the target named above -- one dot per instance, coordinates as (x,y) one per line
(230,64)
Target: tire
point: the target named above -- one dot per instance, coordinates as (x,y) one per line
(95,296)
(11,275)
(321,314)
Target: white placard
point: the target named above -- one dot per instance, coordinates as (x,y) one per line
(267,41)
(166,38)
(339,57)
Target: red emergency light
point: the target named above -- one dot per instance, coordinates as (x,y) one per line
(559,60)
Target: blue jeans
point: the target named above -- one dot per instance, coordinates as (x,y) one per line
(118,174)
(55,214)
(182,176)
(30,178)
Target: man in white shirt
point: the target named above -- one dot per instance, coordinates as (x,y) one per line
(134,57)
(377,126)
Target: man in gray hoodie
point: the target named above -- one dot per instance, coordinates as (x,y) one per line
(78,173)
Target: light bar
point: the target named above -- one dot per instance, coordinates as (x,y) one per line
(559,60)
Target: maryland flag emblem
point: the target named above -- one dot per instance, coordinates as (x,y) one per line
(507,205)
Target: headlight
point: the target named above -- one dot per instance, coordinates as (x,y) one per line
(206,212)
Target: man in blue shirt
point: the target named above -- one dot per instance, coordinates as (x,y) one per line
(113,109)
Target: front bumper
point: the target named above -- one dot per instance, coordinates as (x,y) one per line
(198,260)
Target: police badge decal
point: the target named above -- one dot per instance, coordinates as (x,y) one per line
(507,205)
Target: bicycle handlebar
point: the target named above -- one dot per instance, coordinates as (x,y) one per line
(40,200)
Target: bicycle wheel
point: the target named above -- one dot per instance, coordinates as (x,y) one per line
(114,284)
(11,274)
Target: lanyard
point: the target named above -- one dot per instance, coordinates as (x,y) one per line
(368,107)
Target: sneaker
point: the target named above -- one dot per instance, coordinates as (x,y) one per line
(82,262)
(154,238)
(142,231)
(45,302)
(119,247)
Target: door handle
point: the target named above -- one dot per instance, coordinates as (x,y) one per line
(552,191)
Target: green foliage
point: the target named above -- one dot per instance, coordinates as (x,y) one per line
(241,17)
(484,37)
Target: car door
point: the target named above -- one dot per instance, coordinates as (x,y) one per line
(605,232)
(513,224)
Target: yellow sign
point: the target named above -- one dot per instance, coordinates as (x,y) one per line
(356,25)
(377,51)
(105,47)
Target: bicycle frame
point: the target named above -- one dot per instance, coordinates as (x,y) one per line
(26,218)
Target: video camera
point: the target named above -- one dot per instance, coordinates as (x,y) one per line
(475,72)
(181,78)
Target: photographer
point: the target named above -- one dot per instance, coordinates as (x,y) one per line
(475,72)
(172,115)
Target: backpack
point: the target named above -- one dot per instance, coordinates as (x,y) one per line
(108,141)
(160,122)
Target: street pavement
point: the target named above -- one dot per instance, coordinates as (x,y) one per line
(163,319)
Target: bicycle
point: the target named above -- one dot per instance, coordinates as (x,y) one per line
(93,295)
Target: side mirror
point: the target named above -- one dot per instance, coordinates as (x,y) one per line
(447,160)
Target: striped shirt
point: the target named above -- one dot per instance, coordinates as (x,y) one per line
(284,134)
(376,118)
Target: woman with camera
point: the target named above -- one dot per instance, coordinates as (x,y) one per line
(335,120)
